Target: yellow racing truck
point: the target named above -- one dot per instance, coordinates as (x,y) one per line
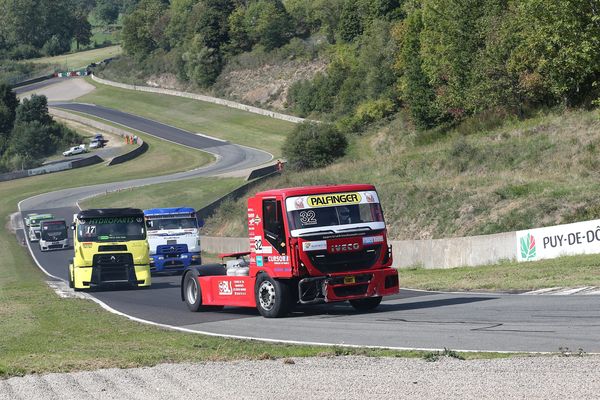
(110,249)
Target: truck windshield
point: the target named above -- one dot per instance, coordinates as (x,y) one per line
(37,220)
(54,231)
(111,229)
(335,216)
(172,223)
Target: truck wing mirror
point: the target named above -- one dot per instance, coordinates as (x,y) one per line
(73,226)
(148,224)
(200,222)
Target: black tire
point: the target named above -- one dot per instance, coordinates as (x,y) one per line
(367,304)
(192,293)
(273,297)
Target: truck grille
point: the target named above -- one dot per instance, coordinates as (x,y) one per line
(112,267)
(112,247)
(340,262)
(171,249)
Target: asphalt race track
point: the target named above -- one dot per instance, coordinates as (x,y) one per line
(414,319)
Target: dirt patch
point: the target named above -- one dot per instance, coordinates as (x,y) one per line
(268,85)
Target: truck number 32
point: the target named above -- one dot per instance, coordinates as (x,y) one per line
(258,244)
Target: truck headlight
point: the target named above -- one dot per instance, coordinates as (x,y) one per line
(184,256)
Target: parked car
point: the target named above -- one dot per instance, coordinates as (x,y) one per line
(75,150)
(96,144)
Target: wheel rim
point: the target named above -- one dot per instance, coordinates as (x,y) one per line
(266,295)
(192,291)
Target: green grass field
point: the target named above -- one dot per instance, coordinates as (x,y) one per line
(195,193)
(574,271)
(81,59)
(195,116)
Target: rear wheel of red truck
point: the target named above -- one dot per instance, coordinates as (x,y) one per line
(273,297)
(365,304)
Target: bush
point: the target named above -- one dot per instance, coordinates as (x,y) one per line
(54,47)
(312,145)
(23,52)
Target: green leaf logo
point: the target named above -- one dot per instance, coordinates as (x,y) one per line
(528,247)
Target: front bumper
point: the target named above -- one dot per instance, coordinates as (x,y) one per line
(349,286)
(49,247)
(173,263)
(87,277)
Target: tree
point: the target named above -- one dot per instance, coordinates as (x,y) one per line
(558,43)
(34,109)
(202,64)
(8,107)
(107,11)
(268,23)
(415,89)
(82,30)
(350,24)
(312,145)
(139,36)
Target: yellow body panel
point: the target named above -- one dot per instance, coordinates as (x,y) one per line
(80,270)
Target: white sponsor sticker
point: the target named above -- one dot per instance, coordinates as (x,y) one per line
(373,239)
(314,246)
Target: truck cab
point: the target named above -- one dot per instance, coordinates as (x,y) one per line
(110,248)
(308,245)
(174,239)
(33,231)
(53,235)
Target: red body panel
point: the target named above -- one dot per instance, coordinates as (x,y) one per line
(227,290)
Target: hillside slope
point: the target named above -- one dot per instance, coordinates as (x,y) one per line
(536,172)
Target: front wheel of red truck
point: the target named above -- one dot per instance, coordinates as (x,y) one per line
(191,291)
(273,297)
(365,304)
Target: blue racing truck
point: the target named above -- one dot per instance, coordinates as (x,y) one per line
(174,239)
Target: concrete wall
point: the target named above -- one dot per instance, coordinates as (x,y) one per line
(209,99)
(430,254)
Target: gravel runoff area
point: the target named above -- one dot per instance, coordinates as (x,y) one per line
(326,378)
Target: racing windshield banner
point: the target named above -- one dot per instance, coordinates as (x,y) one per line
(331,200)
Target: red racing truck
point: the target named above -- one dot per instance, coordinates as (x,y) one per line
(308,245)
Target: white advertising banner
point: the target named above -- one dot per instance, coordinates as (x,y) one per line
(560,240)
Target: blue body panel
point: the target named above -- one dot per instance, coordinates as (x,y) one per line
(172,258)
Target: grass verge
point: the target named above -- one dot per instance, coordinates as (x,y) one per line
(570,271)
(196,116)
(193,192)
(80,59)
